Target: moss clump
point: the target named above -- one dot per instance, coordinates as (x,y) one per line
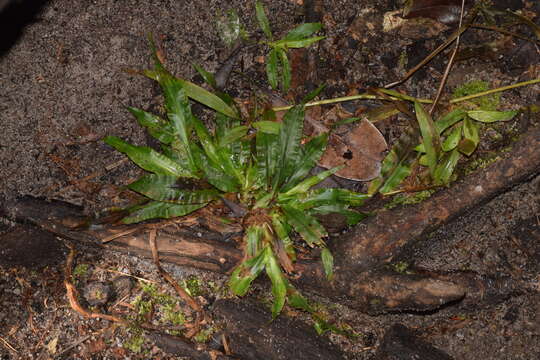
(487,102)
(134,343)
(165,306)
(172,314)
(481,162)
(204,335)
(409,198)
(193,286)
(401,267)
(80,270)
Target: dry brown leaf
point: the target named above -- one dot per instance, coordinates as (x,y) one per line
(361,150)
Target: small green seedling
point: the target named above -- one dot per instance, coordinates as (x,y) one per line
(263,166)
(278,68)
(442,142)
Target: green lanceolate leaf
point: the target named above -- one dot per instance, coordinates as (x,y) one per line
(330,196)
(214,174)
(304,224)
(263,20)
(233,135)
(208,77)
(267,147)
(290,152)
(205,97)
(328,262)
(253,239)
(272,72)
(452,140)
(308,183)
(285,70)
(449,119)
(268,127)
(160,210)
(230,142)
(396,166)
(313,151)
(220,159)
(313,94)
(263,200)
(282,231)
(171,85)
(148,159)
(296,44)
(279,283)
(430,136)
(206,140)
(491,116)
(179,113)
(161,188)
(246,272)
(303,31)
(470,137)
(298,301)
(353,217)
(157,127)
(445,167)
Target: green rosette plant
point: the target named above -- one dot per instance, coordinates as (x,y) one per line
(263,165)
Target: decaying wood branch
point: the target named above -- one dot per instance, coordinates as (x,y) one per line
(361,280)
(203,245)
(378,239)
(280,339)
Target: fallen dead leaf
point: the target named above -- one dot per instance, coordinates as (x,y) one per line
(361,150)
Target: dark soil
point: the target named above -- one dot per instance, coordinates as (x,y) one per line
(64,88)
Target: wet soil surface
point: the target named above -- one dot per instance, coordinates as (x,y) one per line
(63,88)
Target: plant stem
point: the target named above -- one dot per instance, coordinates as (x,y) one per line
(407,97)
(350,98)
(487,92)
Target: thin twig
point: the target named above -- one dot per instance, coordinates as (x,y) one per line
(120,234)
(8,345)
(73,294)
(441,47)
(410,98)
(449,65)
(504,31)
(353,97)
(126,274)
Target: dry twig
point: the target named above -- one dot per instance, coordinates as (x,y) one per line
(179,290)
